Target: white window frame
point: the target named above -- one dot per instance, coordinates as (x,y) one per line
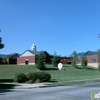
(79,62)
(93,60)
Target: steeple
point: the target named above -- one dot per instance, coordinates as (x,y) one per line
(33,48)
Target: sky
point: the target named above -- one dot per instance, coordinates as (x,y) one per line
(60,26)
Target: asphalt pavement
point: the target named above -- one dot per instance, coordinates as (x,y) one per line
(75,92)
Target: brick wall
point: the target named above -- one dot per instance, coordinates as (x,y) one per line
(30,59)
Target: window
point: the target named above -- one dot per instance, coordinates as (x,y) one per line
(64,59)
(93,60)
(79,61)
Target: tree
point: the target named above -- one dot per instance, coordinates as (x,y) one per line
(98,53)
(84,62)
(74,55)
(55,60)
(1,44)
(4,60)
(40,61)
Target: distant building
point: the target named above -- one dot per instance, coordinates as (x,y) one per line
(30,57)
(66,60)
(9,58)
(91,57)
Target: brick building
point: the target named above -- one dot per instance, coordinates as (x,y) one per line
(9,58)
(30,57)
(91,57)
(66,60)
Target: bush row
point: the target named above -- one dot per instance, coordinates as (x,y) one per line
(32,77)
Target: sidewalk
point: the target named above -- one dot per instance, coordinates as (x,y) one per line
(26,85)
(35,85)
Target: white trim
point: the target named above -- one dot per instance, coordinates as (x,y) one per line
(27,53)
(93,64)
(26,59)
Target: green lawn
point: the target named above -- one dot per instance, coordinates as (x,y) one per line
(67,73)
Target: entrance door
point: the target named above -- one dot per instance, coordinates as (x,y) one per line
(26,62)
(68,62)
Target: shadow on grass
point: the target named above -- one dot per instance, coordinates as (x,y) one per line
(7,86)
(79,67)
(51,68)
(66,65)
(6,80)
(92,69)
(53,81)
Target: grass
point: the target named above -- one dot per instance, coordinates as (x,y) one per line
(9,71)
(68,75)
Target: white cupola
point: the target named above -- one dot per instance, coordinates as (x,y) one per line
(33,48)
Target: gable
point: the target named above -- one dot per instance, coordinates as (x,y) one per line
(27,53)
(14,56)
(90,53)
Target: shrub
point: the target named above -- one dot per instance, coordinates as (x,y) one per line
(43,76)
(20,78)
(40,76)
(38,81)
(29,81)
(32,77)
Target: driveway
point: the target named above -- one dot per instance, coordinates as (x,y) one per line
(75,92)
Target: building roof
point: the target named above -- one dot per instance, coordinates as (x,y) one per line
(12,55)
(88,53)
(34,52)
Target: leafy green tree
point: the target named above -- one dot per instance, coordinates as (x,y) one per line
(74,55)
(4,60)
(1,44)
(84,62)
(98,59)
(40,63)
(55,60)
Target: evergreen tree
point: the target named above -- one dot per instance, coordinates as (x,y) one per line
(55,60)
(1,44)
(84,62)
(40,64)
(74,55)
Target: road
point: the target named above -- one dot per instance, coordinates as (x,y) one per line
(75,92)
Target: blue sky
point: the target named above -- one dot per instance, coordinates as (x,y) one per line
(54,25)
